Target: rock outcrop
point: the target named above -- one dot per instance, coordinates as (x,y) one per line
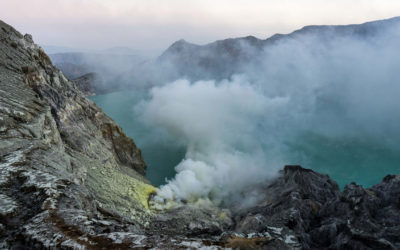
(307,210)
(64,164)
(91,84)
(71,179)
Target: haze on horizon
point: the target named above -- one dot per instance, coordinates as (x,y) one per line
(152,25)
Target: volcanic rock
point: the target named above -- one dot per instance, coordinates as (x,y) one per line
(71,179)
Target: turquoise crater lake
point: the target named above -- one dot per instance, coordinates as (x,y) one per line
(160,156)
(345,160)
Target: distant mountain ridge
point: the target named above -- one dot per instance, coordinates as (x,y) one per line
(222,58)
(118,69)
(364,29)
(107,67)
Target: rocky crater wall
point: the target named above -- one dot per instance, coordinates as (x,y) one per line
(71,179)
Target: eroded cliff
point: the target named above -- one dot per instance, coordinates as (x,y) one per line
(64,163)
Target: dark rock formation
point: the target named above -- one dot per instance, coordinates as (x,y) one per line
(216,60)
(91,84)
(71,179)
(308,210)
(72,71)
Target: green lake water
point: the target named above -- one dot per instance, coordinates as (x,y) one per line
(160,156)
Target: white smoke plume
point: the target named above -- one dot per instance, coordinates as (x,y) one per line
(218,123)
(239,132)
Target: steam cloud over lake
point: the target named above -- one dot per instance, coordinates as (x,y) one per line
(306,94)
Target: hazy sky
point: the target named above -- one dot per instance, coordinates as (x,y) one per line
(155,24)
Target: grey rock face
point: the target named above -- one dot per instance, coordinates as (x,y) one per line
(306,209)
(91,84)
(56,149)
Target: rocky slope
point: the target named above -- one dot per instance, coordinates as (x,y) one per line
(59,153)
(71,179)
(91,84)
(307,209)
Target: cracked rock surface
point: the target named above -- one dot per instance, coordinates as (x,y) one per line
(308,211)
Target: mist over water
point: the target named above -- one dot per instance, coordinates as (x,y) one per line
(328,104)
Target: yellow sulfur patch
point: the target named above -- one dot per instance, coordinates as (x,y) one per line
(142,192)
(119,192)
